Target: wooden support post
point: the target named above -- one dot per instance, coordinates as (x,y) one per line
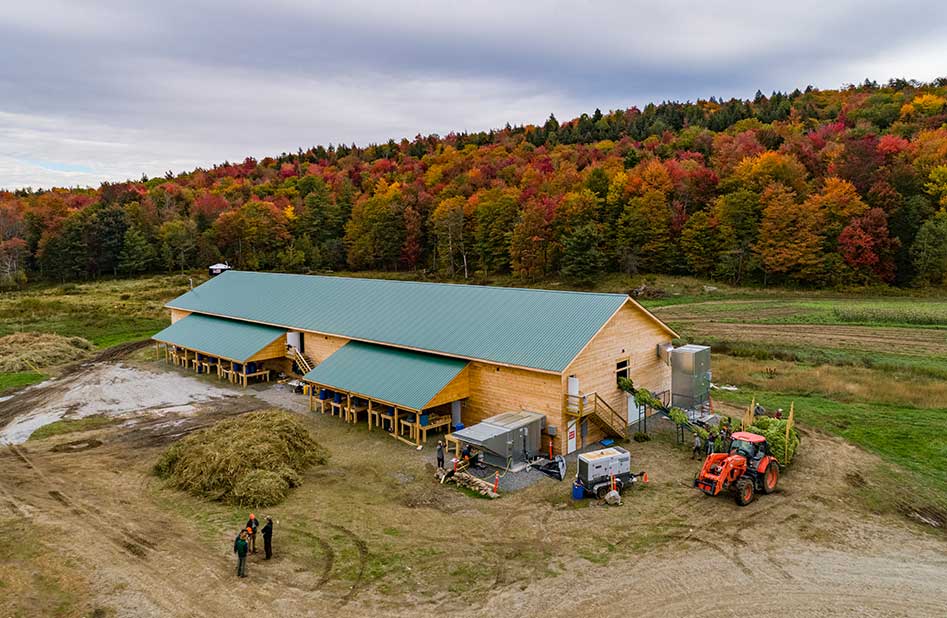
(348,408)
(394,424)
(310,400)
(417,428)
(369,414)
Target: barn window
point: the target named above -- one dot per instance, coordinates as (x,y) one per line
(621,370)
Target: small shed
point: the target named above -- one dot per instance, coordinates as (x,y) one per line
(217,269)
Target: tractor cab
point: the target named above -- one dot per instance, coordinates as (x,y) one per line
(750,446)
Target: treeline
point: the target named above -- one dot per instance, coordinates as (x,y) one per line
(817,188)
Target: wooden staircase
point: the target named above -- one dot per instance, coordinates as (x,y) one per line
(590,405)
(305,365)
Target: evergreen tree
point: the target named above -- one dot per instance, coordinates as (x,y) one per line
(582,259)
(137,255)
(929,251)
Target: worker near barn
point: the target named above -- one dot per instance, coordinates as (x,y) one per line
(267,533)
(415,359)
(240,547)
(252,525)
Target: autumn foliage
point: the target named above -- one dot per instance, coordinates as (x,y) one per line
(814,188)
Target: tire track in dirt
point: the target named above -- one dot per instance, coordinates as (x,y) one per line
(126,540)
(362,548)
(328,557)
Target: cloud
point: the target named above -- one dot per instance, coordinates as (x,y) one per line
(112,90)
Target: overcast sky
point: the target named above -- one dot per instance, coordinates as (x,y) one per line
(93,91)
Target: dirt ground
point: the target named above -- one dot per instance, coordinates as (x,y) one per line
(92,533)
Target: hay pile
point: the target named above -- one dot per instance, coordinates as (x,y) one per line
(31,351)
(774,430)
(251,460)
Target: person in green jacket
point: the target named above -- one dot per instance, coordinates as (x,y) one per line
(240,547)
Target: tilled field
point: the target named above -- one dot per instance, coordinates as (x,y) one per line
(695,320)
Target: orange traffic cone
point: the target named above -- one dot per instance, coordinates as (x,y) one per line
(496,482)
(644,479)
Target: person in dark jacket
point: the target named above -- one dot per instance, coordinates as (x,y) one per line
(240,548)
(440,454)
(252,524)
(268,538)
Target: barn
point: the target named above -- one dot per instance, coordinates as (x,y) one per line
(415,358)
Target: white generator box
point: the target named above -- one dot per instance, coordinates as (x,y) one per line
(599,466)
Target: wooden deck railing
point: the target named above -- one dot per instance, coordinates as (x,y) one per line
(591,405)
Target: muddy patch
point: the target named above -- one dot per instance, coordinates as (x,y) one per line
(855,480)
(76,446)
(110,389)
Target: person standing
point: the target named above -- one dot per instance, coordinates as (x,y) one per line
(240,548)
(710,443)
(268,538)
(440,455)
(696,452)
(251,526)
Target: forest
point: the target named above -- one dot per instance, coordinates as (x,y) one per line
(813,188)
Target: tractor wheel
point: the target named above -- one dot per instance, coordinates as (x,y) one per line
(619,486)
(745,491)
(770,477)
(601,490)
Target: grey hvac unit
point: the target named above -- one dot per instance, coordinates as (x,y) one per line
(506,439)
(690,376)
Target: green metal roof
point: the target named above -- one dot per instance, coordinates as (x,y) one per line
(540,329)
(401,377)
(220,337)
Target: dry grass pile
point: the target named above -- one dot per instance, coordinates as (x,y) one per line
(32,351)
(251,460)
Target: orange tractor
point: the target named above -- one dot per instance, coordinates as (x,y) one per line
(746,469)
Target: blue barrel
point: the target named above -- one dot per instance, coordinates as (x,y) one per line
(578,491)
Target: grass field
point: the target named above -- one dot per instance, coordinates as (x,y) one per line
(105,312)
(19,379)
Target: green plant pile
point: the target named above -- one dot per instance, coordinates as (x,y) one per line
(641,436)
(774,430)
(251,460)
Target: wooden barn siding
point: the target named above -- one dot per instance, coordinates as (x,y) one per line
(458,388)
(630,333)
(177,314)
(276,349)
(493,392)
(320,347)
